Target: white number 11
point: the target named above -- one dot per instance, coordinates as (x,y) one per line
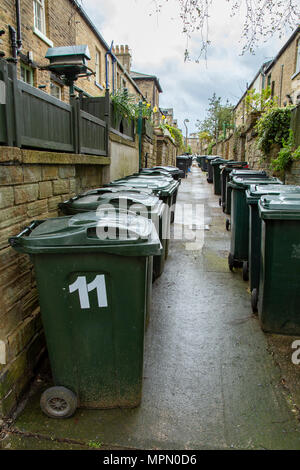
(83,288)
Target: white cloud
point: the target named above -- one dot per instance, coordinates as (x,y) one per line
(157,46)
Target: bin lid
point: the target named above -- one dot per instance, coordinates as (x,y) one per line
(211,157)
(244,183)
(283,206)
(111,231)
(111,187)
(248,173)
(218,161)
(229,165)
(171,169)
(255,191)
(154,174)
(123,199)
(159,185)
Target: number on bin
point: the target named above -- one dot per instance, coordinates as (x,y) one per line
(84,288)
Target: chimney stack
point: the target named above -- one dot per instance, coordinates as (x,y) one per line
(123,55)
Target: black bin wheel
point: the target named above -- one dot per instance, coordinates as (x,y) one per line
(58,402)
(254,300)
(231,262)
(228,224)
(245,271)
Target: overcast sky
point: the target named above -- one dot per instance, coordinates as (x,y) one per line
(157,46)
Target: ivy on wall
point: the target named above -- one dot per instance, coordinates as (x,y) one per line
(287,154)
(273,128)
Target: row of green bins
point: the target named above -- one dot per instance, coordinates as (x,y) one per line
(239,247)
(199,159)
(165,188)
(175,172)
(92,273)
(204,163)
(253,195)
(209,160)
(141,203)
(225,170)
(279,287)
(242,173)
(183,163)
(215,164)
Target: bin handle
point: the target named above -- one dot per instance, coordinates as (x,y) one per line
(14,241)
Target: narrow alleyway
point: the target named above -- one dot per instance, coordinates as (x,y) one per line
(209,380)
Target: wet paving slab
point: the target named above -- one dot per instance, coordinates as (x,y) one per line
(210,381)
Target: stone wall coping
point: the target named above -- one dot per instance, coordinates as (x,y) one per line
(14,154)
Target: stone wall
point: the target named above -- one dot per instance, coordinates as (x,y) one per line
(148,152)
(165,151)
(124,156)
(32,184)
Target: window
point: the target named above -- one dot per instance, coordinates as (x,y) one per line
(98,66)
(26,74)
(55,90)
(39,15)
(298,58)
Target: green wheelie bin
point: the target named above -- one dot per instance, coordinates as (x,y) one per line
(242,173)
(152,172)
(226,169)
(216,171)
(159,188)
(253,195)
(279,284)
(165,188)
(147,205)
(175,172)
(204,163)
(91,274)
(239,246)
(209,160)
(183,163)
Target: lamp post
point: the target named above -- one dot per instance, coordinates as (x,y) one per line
(186,132)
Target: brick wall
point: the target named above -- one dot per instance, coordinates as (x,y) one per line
(29,191)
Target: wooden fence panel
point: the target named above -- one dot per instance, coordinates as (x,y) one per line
(32,118)
(44,121)
(92,134)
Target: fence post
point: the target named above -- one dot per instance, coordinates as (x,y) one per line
(9,106)
(75,104)
(107,120)
(17,104)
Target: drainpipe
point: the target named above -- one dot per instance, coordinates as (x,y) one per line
(114,60)
(13,42)
(281,80)
(16,36)
(19,32)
